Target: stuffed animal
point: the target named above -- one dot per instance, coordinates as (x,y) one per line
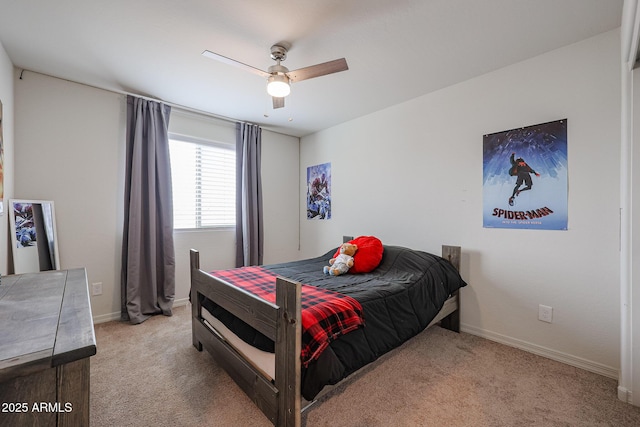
(343,262)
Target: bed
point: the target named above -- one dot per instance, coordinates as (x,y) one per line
(259,340)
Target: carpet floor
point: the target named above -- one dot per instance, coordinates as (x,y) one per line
(151,375)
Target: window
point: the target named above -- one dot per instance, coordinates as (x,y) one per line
(204,183)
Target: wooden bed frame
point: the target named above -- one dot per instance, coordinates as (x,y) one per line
(280,402)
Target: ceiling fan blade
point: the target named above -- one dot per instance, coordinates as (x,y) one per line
(318,70)
(239,64)
(277,102)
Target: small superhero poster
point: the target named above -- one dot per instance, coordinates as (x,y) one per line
(319,191)
(525,183)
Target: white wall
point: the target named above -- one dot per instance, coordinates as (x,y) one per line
(70,149)
(412,175)
(7,99)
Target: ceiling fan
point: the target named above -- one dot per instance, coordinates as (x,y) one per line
(278,76)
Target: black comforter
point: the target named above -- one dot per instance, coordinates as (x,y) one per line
(399,299)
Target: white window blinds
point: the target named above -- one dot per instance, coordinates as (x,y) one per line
(204,183)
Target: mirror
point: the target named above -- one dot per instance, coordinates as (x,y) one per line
(33,236)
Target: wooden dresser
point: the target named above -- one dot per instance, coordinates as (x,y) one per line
(46,340)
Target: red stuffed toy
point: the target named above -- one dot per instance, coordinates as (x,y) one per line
(368,256)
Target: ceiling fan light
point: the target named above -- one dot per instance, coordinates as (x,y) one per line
(278,86)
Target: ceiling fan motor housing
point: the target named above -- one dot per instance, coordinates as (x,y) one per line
(278,53)
(278,85)
(278,69)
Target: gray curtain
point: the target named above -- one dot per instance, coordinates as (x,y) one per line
(249,228)
(148,259)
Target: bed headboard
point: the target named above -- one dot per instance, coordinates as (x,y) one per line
(452,254)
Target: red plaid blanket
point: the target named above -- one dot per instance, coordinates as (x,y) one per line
(325,314)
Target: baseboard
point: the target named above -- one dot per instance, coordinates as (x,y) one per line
(103,318)
(625,395)
(558,356)
(116,316)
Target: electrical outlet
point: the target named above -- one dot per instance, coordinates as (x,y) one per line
(545,313)
(96,288)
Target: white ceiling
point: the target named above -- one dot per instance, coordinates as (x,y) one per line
(396,49)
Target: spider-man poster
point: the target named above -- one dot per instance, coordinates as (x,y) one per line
(319,191)
(525,182)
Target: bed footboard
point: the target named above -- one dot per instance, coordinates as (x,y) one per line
(281,322)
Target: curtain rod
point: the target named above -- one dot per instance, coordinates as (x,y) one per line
(148,98)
